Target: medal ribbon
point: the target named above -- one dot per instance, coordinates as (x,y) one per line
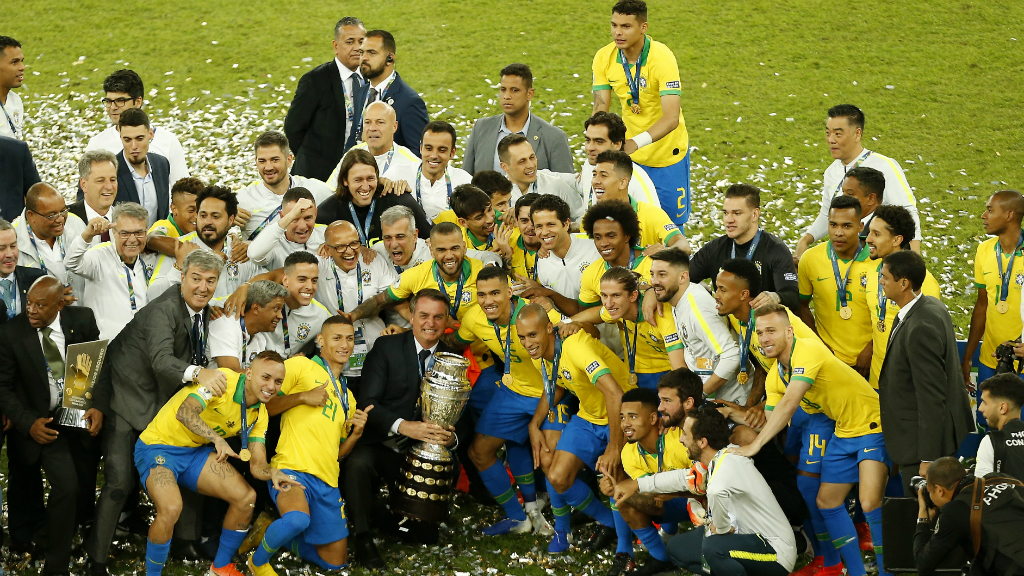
(131,288)
(631,350)
(341,391)
(634,81)
(659,448)
(387,162)
(745,348)
(507,346)
(14,129)
(175,224)
(364,227)
(245,430)
(549,382)
(840,283)
(860,160)
(287,343)
(245,342)
(458,289)
(883,302)
(753,246)
(337,286)
(1004,277)
(778,366)
(447,182)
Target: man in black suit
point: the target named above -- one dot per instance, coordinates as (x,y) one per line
(33,350)
(391,383)
(19,174)
(385,83)
(143,177)
(324,119)
(14,280)
(98,173)
(161,349)
(925,409)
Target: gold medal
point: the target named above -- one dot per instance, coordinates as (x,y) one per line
(845,313)
(633,378)
(1002,307)
(551,416)
(741,377)
(244,455)
(881,325)
(635,108)
(506,379)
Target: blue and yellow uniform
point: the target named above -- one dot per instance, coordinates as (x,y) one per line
(999,327)
(846,338)
(167,442)
(590,281)
(655,225)
(524,260)
(670,454)
(166,227)
(841,394)
(652,343)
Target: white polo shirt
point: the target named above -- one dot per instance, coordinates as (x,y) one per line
(272,246)
(36,253)
(233,275)
(549,182)
(710,346)
(12,117)
(227,339)
(398,154)
(164,143)
(264,203)
(432,197)
(302,324)
(565,275)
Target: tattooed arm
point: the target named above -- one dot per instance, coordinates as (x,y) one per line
(189,416)
(373,306)
(262,470)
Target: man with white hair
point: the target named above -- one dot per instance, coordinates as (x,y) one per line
(97,172)
(380,123)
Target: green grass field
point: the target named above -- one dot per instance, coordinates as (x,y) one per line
(939,81)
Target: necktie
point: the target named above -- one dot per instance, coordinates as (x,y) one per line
(197,340)
(53,357)
(424,356)
(895,325)
(374,96)
(7,292)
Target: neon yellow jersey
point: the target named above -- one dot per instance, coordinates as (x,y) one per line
(524,260)
(638,462)
(652,343)
(472,242)
(585,359)
(655,225)
(590,282)
(847,338)
(476,327)
(801,330)
(867,290)
(221,413)
(166,227)
(837,390)
(447,216)
(998,327)
(659,76)
(312,435)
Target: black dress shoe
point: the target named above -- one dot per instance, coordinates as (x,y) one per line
(602,537)
(366,553)
(621,564)
(186,550)
(578,518)
(653,566)
(95,568)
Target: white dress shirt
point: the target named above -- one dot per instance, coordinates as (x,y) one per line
(106,279)
(350,80)
(303,324)
(164,143)
(187,375)
(433,197)
(504,131)
(146,189)
(549,182)
(56,380)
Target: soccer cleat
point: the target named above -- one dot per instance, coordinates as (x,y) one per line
(560,542)
(509,526)
(812,568)
(864,537)
(602,537)
(621,564)
(543,500)
(265,570)
(871,565)
(226,570)
(255,535)
(836,570)
(541,525)
(651,567)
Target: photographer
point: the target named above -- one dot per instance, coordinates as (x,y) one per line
(1002,449)
(946,499)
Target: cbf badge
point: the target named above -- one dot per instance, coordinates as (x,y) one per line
(232,269)
(1020,279)
(864,280)
(303,331)
(160,460)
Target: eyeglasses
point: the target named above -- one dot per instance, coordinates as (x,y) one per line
(50,217)
(126,234)
(342,248)
(116,102)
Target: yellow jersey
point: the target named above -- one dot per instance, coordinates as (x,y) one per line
(652,342)
(659,76)
(817,279)
(312,435)
(590,282)
(837,390)
(670,455)
(801,330)
(166,227)
(221,413)
(998,327)
(472,242)
(883,317)
(583,361)
(524,260)
(447,216)
(476,327)
(655,225)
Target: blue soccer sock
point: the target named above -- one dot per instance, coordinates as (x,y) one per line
(230,540)
(809,490)
(559,508)
(279,533)
(156,556)
(812,536)
(875,522)
(844,538)
(307,552)
(622,531)
(652,540)
(496,480)
(670,528)
(582,498)
(520,462)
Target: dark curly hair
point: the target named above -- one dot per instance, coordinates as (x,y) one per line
(617,210)
(899,222)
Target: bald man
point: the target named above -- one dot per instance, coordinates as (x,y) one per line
(45,230)
(380,123)
(31,400)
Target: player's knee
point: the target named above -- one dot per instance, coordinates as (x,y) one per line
(169,510)
(479,457)
(296,521)
(561,479)
(245,498)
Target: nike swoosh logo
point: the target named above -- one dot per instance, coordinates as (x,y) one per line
(809,462)
(820,279)
(870,449)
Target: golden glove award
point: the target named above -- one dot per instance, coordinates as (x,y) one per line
(82,368)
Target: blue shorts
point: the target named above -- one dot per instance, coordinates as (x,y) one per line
(185,463)
(673,185)
(675,511)
(812,434)
(567,408)
(649,380)
(585,440)
(484,389)
(326,508)
(844,455)
(508,416)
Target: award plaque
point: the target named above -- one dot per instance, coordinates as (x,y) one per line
(82,368)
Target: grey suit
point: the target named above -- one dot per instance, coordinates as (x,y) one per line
(926,413)
(549,142)
(144,368)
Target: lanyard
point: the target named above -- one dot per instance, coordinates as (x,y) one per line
(489,241)
(631,350)
(245,342)
(883,302)
(359,287)
(753,246)
(270,218)
(458,288)
(387,161)
(840,283)
(14,129)
(287,342)
(350,94)
(778,365)
(341,391)
(60,244)
(364,228)
(659,447)
(447,182)
(245,430)
(531,272)
(381,92)
(1004,277)
(631,80)
(549,382)
(507,346)
(860,160)
(131,288)
(745,348)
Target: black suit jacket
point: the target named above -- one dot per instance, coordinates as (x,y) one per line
(23,277)
(24,386)
(17,174)
(315,124)
(390,382)
(78,209)
(127,192)
(146,361)
(925,409)
(411,112)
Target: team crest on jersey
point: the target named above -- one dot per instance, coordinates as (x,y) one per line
(643,82)
(466,297)
(160,460)
(672,84)
(396,284)
(1020,279)
(593,366)
(252,356)
(864,280)
(232,269)
(303,331)
(366,276)
(231,423)
(758,264)
(584,265)
(683,330)
(566,375)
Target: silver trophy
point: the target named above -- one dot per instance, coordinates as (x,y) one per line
(425,487)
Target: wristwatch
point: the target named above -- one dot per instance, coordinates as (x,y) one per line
(922,520)
(195,374)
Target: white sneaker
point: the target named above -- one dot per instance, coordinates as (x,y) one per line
(543,500)
(540,523)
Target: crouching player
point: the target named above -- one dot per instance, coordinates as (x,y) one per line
(175,449)
(315,436)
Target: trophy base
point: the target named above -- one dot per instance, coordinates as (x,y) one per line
(72,418)
(424,490)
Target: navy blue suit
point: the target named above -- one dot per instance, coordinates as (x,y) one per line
(411,112)
(127,192)
(17,174)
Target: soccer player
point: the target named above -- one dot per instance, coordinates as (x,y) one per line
(644,75)
(182,219)
(890,230)
(175,450)
(295,231)
(844,130)
(473,209)
(606,131)
(615,230)
(612,175)
(235,342)
(828,273)
(523,243)
(432,180)
(264,199)
(808,376)
(998,276)
(314,437)
(591,372)
(506,409)
(302,315)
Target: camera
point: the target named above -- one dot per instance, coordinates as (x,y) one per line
(919,483)
(1006,360)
